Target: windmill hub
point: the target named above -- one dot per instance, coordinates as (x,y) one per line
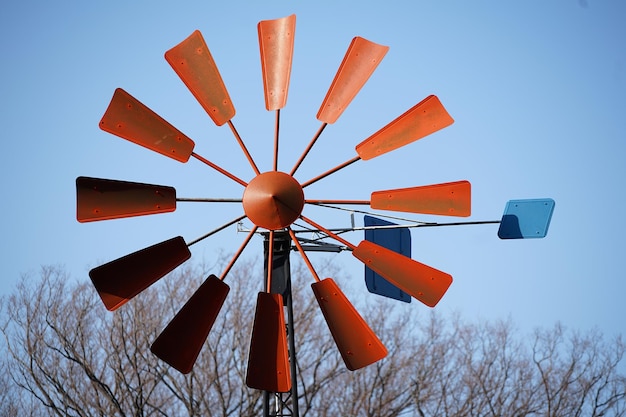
(273,200)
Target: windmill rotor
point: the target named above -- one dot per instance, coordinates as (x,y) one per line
(272,200)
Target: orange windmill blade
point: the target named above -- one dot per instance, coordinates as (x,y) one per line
(423,119)
(194,64)
(179,344)
(192,61)
(120,280)
(358,344)
(268,363)
(130,119)
(276,40)
(359,63)
(102,199)
(445,199)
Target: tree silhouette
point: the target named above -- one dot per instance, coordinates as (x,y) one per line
(63,354)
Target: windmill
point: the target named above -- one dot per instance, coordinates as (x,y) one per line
(272,201)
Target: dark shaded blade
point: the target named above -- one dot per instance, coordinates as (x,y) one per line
(360,61)
(268,363)
(422,282)
(192,61)
(102,199)
(446,199)
(181,341)
(276,39)
(130,119)
(426,117)
(357,343)
(120,280)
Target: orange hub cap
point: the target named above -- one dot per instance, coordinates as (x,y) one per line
(273,200)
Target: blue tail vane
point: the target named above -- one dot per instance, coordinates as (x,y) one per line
(526,219)
(395,239)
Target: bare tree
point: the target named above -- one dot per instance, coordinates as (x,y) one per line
(63,354)
(74,359)
(488,369)
(576,374)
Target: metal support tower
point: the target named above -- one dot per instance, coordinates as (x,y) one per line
(283,404)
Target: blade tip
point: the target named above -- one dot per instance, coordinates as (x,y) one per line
(183,368)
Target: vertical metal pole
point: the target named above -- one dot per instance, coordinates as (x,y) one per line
(266,404)
(292,352)
(281,284)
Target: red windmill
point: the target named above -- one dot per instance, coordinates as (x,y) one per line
(272,200)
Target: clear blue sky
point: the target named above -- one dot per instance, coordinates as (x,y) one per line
(536,89)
